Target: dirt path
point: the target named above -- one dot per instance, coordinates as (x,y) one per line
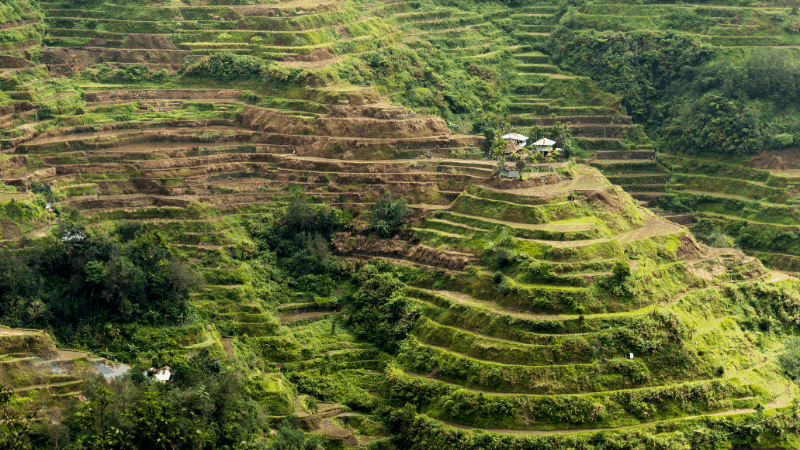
(506,341)
(70,355)
(297,317)
(127,132)
(508,394)
(404,262)
(595,430)
(572,244)
(313,65)
(731,196)
(496,309)
(449,351)
(430,207)
(653,226)
(227,345)
(491,307)
(550,226)
(17,332)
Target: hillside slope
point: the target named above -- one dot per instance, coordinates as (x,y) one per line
(243,149)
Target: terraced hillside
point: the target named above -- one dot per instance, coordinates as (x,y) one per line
(32,367)
(530,340)
(169,37)
(747,200)
(252,141)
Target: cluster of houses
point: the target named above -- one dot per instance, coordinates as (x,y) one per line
(518,143)
(517,147)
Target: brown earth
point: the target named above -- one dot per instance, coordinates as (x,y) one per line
(345,244)
(777,159)
(435,257)
(318,54)
(20,45)
(12,62)
(369,123)
(12,164)
(66,60)
(295,7)
(605,199)
(166,94)
(622,155)
(149,41)
(578,120)
(653,227)
(506,184)
(17,24)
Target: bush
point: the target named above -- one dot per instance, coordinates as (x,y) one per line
(503,287)
(790,360)
(389,215)
(640,65)
(379,311)
(498,277)
(42,188)
(708,232)
(620,283)
(292,228)
(715,123)
(227,66)
(74,278)
(782,140)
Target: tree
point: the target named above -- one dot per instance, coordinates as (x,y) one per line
(790,360)
(489,135)
(379,311)
(536,132)
(388,215)
(499,147)
(291,437)
(94,417)
(156,428)
(15,427)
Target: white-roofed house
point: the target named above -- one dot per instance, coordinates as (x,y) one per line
(544,145)
(516,138)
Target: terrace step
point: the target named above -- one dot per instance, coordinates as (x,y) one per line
(685,219)
(625,155)
(538,68)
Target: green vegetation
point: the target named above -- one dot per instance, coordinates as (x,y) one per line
(81,284)
(389,215)
(297,208)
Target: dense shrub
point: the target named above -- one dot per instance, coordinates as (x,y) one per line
(301,231)
(715,124)
(75,278)
(432,80)
(379,310)
(791,358)
(640,65)
(708,232)
(227,66)
(389,215)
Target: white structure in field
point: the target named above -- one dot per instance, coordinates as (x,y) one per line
(161,374)
(518,139)
(544,145)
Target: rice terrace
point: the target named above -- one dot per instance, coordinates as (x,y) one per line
(399,224)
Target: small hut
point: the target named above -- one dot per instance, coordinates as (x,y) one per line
(516,138)
(544,145)
(512,148)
